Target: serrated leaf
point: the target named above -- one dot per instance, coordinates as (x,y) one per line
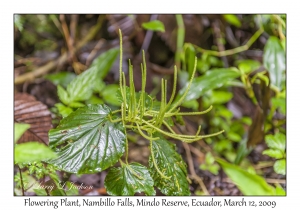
(279,167)
(232,19)
(210,80)
(61,78)
(63,110)
(86,141)
(128,180)
(274,153)
(171,165)
(276,141)
(32,151)
(20,128)
(154,25)
(63,95)
(249,184)
(81,88)
(105,61)
(274,61)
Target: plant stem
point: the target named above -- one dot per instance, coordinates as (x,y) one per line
(22,184)
(180,39)
(232,51)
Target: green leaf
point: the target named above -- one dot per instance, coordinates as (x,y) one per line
(233,20)
(279,103)
(274,153)
(76,104)
(190,55)
(210,80)
(234,136)
(221,97)
(129,179)
(274,61)
(41,192)
(171,165)
(94,100)
(63,95)
(109,94)
(214,169)
(81,88)
(249,184)
(63,110)
(20,128)
(105,61)
(279,166)
(86,141)
(247,66)
(280,190)
(61,78)
(72,190)
(32,151)
(154,25)
(209,159)
(276,141)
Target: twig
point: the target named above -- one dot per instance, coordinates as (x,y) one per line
(180,39)
(22,184)
(62,59)
(94,51)
(192,170)
(218,38)
(235,50)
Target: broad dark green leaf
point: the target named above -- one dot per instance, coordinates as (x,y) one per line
(129,179)
(232,19)
(105,61)
(20,128)
(154,25)
(249,184)
(81,88)
(32,151)
(210,80)
(279,166)
(61,78)
(276,141)
(86,141)
(274,61)
(171,165)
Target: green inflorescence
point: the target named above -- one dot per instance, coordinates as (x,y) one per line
(137,116)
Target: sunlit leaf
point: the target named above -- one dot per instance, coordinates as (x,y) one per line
(276,141)
(129,179)
(280,167)
(249,184)
(63,110)
(274,153)
(171,165)
(20,128)
(221,97)
(247,66)
(32,151)
(232,19)
(154,25)
(86,141)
